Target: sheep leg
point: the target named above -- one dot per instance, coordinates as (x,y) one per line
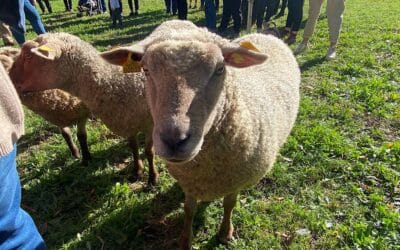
(153,173)
(226,230)
(187,232)
(137,162)
(66,133)
(82,138)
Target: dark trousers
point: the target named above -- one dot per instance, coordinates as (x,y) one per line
(283,7)
(269,7)
(295,14)
(131,5)
(68,5)
(42,7)
(230,9)
(171,6)
(182,9)
(116,16)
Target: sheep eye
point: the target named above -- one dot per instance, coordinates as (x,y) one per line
(220,70)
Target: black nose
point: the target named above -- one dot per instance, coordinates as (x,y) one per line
(175,141)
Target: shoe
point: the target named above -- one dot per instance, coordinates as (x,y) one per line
(291,38)
(131,14)
(283,32)
(301,47)
(331,54)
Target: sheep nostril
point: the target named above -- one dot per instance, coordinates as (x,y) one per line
(175,142)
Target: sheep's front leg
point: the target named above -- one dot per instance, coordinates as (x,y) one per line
(226,231)
(66,133)
(153,173)
(187,232)
(82,138)
(137,162)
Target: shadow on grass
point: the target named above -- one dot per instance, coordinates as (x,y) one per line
(36,137)
(311,63)
(64,192)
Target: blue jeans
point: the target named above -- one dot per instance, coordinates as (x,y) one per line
(33,16)
(211,14)
(17,230)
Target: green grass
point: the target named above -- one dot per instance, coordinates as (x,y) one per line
(335,185)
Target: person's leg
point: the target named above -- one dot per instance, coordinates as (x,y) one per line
(211,15)
(334,11)
(313,14)
(103,6)
(272,8)
(259,8)
(297,15)
(18,35)
(17,229)
(182,9)
(66,5)
(34,18)
(136,7)
(289,19)
(167,6)
(174,7)
(296,21)
(131,7)
(48,5)
(236,15)
(41,6)
(226,15)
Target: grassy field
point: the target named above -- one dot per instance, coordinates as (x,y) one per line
(334,186)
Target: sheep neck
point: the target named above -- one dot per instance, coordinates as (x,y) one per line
(100,84)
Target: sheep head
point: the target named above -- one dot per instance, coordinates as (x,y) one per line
(34,68)
(185,80)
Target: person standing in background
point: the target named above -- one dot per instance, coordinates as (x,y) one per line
(182,9)
(269,7)
(211,15)
(231,8)
(29,12)
(68,5)
(136,12)
(171,7)
(293,21)
(334,12)
(42,6)
(282,11)
(115,7)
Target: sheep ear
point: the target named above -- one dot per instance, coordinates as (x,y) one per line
(243,56)
(127,57)
(45,52)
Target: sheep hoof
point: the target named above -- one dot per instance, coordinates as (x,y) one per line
(226,235)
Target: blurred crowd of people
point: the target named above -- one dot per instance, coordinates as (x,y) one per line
(263,12)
